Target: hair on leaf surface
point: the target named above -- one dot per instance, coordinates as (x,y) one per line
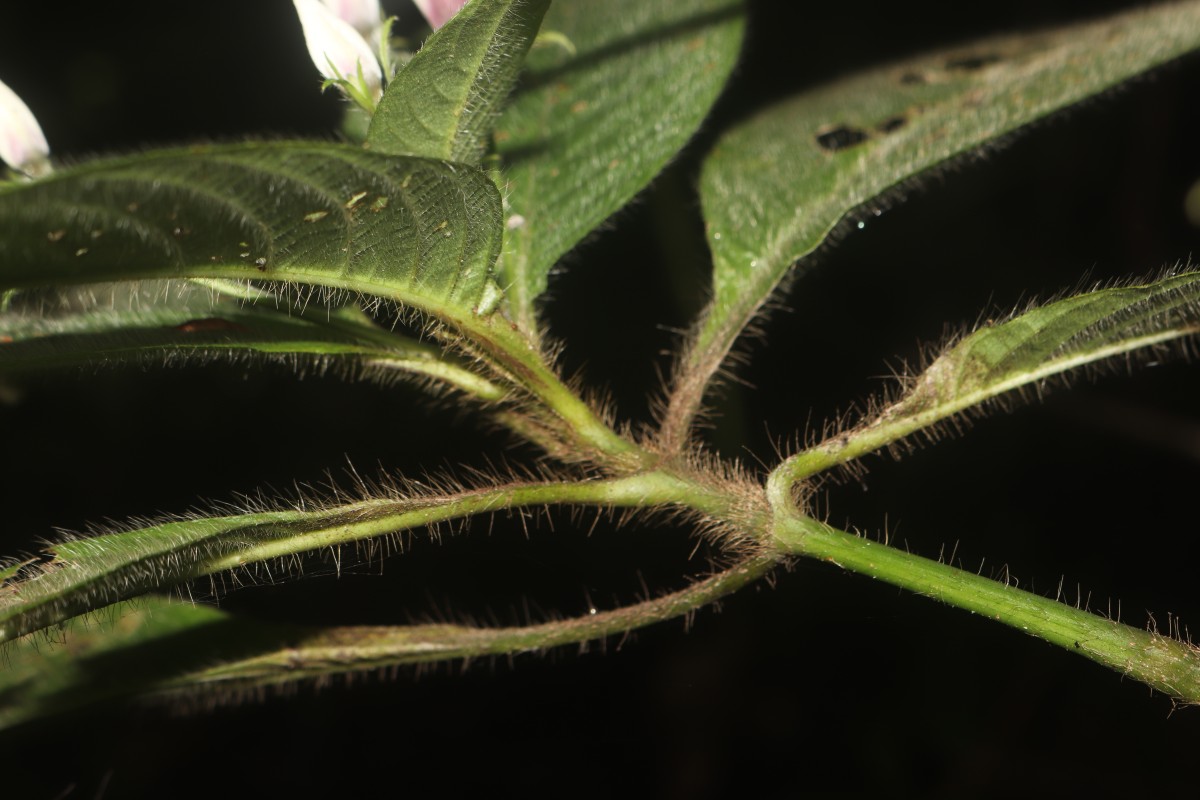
(118,560)
(916,391)
(690,515)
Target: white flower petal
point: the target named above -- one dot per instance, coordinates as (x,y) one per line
(22,143)
(336,48)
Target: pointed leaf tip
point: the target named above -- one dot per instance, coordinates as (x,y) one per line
(444,102)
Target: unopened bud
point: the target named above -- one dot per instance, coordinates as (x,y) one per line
(22,143)
(365,16)
(438,12)
(340,52)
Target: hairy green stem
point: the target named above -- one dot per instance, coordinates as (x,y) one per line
(1166,664)
(339,650)
(515,355)
(637,491)
(694,375)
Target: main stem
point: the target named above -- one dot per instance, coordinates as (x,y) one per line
(1167,664)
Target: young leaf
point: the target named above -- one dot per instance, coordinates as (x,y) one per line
(421,232)
(83,574)
(589,128)
(1061,336)
(159,320)
(444,102)
(774,188)
(124,650)
(79,575)
(154,645)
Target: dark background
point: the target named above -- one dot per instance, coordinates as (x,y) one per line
(826,682)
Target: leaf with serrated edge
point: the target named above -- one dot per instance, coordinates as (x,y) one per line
(774,188)
(586,131)
(444,102)
(425,233)
(1061,336)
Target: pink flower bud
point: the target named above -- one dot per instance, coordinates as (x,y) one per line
(22,144)
(365,16)
(339,51)
(438,12)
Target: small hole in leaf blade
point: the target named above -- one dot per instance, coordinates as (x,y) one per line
(972,63)
(841,137)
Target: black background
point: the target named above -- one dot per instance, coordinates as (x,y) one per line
(824,683)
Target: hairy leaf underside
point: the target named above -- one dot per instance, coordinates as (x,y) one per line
(1072,333)
(776,187)
(119,321)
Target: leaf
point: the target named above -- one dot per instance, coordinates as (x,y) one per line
(125,650)
(444,102)
(774,188)
(82,574)
(1061,336)
(10,570)
(158,647)
(79,575)
(587,130)
(422,232)
(158,320)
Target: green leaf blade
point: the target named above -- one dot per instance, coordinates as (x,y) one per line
(122,651)
(80,575)
(157,321)
(422,232)
(1054,338)
(163,317)
(444,102)
(774,188)
(1029,348)
(83,574)
(87,573)
(157,647)
(588,130)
